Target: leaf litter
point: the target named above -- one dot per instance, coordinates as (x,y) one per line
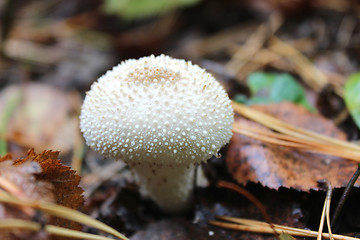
(39,177)
(273,166)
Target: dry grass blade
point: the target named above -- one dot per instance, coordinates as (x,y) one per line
(289,141)
(326,213)
(64,232)
(19,224)
(241,224)
(62,212)
(322,220)
(265,136)
(322,143)
(53,230)
(244,228)
(254,43)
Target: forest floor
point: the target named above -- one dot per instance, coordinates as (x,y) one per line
(52,51)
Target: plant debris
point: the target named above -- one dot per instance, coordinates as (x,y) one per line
(276,166)
(40,177)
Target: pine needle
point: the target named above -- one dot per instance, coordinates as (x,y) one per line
(19,224)
(292,136)
(62,212)
(302,65)
(51,229)
(288,141)
(248,225)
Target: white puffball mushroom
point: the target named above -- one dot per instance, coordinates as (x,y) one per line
(161,116)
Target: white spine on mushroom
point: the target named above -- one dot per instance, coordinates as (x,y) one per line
(158,114)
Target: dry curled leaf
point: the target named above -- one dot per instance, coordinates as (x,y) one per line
(38,177)
(65,181)
(250,160)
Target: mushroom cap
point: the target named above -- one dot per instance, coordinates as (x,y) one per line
(157,111)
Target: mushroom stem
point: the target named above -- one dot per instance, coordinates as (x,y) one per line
(170,187)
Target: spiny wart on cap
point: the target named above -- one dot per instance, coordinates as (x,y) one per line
(158,112)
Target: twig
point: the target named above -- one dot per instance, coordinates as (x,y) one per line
(259,60)
(250,197)
(219,41)
(325,213)
(328,199)
(254,43)
(345,196)
(310,74)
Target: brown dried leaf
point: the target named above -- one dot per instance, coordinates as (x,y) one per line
(250,160)
(42,177)
(65,181)
(21,181)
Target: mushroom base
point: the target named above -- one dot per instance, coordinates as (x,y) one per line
(171,187)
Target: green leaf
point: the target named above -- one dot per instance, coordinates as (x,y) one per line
(285,236)
(137,9)
(259,81)
(241,98)
(269,88)
(285,88)
(352,97)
